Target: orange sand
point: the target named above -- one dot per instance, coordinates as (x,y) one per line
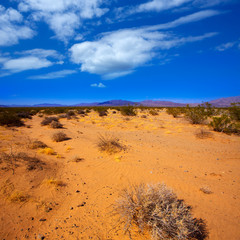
(159,149)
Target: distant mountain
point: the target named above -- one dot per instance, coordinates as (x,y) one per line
(48,105)
(150,103)
(221,102)
(225,102)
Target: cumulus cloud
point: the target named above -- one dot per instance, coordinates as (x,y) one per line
(12,27)
(63,17)
(54,75)
(100,85)
(119,53)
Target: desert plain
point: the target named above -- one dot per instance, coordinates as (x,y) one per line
(70,193)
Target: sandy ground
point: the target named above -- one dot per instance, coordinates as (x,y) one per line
(159,149)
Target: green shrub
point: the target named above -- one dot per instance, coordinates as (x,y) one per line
(234,111)
(10,120)
(175,112)
(224,124)
(153,112)
(157,209)
(128,111)
(196,115)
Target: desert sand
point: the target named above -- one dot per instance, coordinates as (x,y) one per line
(78,203)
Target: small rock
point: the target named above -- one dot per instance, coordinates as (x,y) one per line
(71,208)
(40,236)
(77,191)
(42,219)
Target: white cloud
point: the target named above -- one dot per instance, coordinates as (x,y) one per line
(210,3)
(225,46)
(41,53)
(54,75)
(26,63)
(100,85)
(159,5)
(64,17)
(12,28)
(119,53)
(186,19)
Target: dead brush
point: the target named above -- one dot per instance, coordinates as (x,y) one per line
(109,144)
(156,209)
(203,134)
(37,144)
(59,137)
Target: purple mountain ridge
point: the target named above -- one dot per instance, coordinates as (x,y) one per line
(220,102)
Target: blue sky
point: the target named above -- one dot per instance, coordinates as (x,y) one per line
(72,51)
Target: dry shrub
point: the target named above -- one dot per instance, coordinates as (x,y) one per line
(143,116)
(109,144)
(157,209)
(14,160)
(153,112)
(59,137)
(55,124)
(18,197)
(47,151)
(54,182)
(48,120)
(202,133)
(37,144)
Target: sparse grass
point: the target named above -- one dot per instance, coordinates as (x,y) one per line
(37,144)
(203,134)
(109,144)
(156,209)
(18,197)
(54,182)
(47,151)
(59,137)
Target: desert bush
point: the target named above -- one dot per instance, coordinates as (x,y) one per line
(55,124)
(175,112)
(153,112)
(157,209)
(109,144)
(59,137)
(82,112)
(24,115)
(128,111)
(224,124)
(102,113)
(71,113)
(48,120)
(76,159)
(202,133)
(47,151)
(196,115)
(10,120)
(62,116)
(37,144)
(234,111)
(13,160)
(143,116)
